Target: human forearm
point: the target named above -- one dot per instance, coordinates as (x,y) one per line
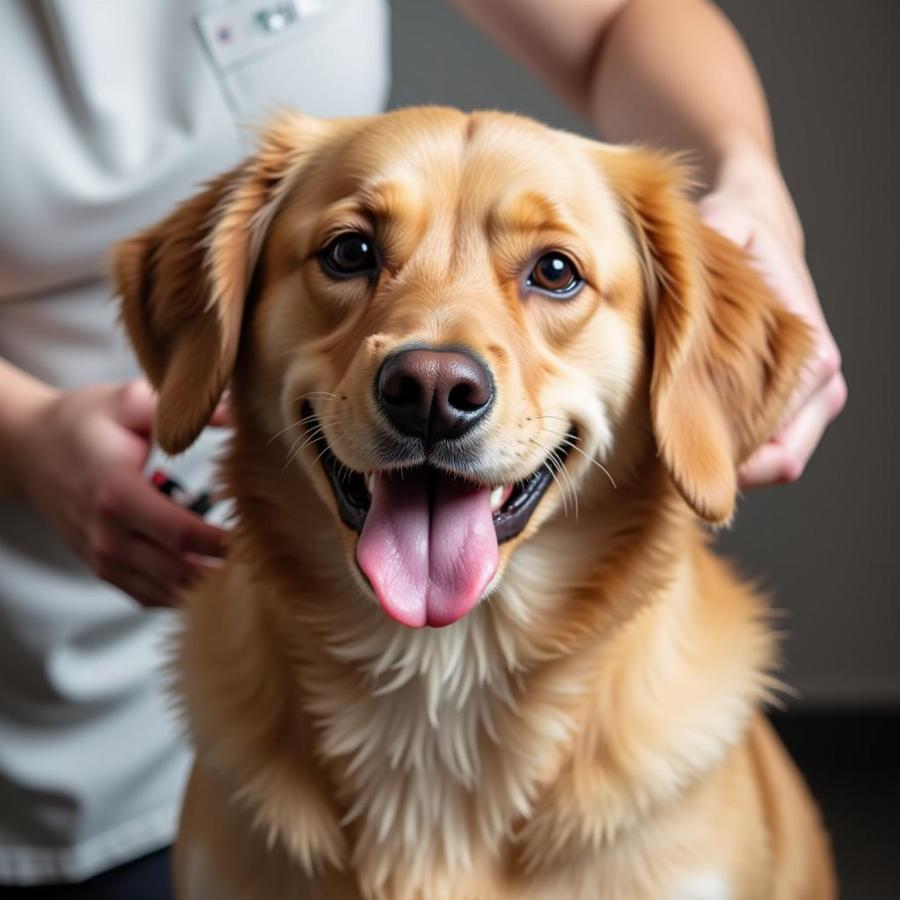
(23,398)
(667,72)
(675,73)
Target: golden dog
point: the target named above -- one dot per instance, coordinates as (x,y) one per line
(485,375)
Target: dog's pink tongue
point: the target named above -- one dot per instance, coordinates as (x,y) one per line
(428,558)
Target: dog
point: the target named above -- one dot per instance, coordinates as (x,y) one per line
(489,380)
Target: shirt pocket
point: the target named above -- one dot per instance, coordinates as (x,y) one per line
(326,58)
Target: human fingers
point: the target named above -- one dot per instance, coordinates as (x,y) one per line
(783,459)
(787,275)
(138,506)
(110,557)
(173,571)
(821,369)
(141,587)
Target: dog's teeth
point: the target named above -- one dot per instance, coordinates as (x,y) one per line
(370,480)
(497,497)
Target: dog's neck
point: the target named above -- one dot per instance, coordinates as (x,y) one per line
(439,747)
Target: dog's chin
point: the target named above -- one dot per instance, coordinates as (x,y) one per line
(428,541)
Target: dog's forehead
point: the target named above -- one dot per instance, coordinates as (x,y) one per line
(481,167)
(481,158)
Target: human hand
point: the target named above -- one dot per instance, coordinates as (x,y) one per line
(83,471)
(752,207)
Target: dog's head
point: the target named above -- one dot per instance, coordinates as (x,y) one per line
(456,317)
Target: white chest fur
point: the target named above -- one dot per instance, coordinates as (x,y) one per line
(428,776)
(702,886)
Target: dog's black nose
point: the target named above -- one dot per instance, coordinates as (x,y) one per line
(434,394)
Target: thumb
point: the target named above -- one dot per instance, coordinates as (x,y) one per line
(715,213)
(135,407)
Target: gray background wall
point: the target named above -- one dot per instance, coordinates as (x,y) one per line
(829,546)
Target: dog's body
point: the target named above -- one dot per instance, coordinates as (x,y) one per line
(591,728)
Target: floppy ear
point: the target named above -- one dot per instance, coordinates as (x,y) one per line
(184,281)
(726,353)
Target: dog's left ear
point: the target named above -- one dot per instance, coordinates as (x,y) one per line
(727,355)
(183,282)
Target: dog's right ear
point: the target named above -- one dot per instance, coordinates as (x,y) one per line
(184,281)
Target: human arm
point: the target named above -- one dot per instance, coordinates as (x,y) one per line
(675,73)
(77,457)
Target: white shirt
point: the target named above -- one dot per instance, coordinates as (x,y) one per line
(110,113)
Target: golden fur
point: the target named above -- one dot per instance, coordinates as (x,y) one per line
(592,728)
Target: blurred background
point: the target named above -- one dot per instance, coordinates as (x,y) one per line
(827,548)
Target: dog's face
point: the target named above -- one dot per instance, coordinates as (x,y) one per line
(453,320)
(447,316)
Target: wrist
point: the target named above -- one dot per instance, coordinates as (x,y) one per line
(28,404)
(748,169)
(748,175)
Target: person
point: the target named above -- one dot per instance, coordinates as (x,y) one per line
(112,113)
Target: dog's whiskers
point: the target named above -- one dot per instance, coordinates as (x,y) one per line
(321,454)
(309,394)
(567,441)
(555,466)
(279,433)
(311,435)
(562,493)
(344,473)
(564,473)
(320,425)
(299,422)
(591,459)
(293,455)
(304,419)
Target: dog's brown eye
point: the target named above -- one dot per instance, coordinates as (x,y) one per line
(555,274)
(348,255)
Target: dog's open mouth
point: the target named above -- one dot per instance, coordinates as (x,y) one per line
(429,540)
